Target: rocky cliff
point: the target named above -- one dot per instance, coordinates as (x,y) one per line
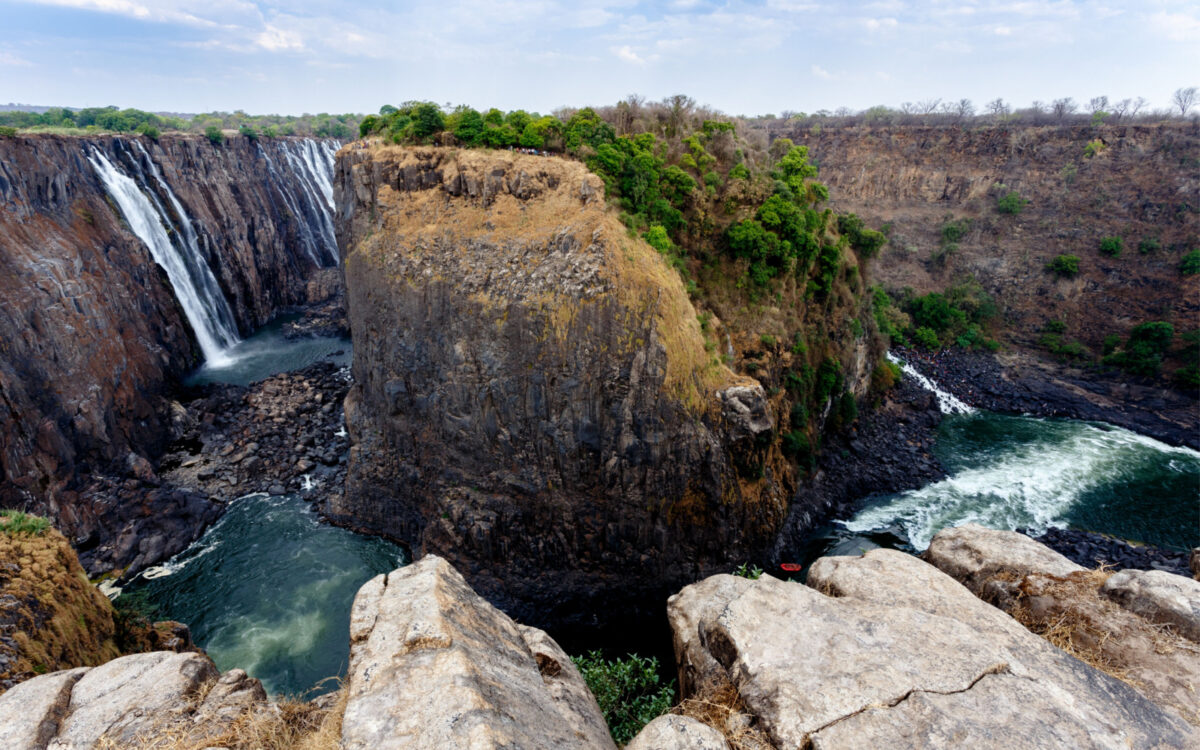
(1081,184)
(91,329)
(532,396)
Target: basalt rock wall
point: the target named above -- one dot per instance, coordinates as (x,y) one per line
(532,398)
(1139,183)
(91,333)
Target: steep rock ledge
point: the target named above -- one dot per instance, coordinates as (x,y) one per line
(91,334)
(532,397)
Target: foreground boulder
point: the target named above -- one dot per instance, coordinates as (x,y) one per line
(1137,625)
(132,702)
(896,654)
(432,664)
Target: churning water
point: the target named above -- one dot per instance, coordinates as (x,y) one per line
(268,589)
(1020,472)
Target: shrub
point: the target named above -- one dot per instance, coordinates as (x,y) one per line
(1055,326)
(767,340)
(1144,349)
(954,231)
(149,131)
(7,132)
(926,338)
(885,375)
(847,408)
(1149,245)
(1064,266)
(214,135)
(18,523)
(1111,246)
(248,133)
(1093,147)
(1010,203)
(627,690)
(739,172)
(1189,265)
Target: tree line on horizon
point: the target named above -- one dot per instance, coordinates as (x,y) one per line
(115,120)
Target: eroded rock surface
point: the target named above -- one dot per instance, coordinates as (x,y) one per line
(532,397)
(432,664)
(1159,597)
(670,732)
(900,655)
(134,702)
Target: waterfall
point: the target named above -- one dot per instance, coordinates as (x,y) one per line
(313,167)
(195,286)
(947,402)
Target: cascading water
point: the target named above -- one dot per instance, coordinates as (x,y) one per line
(195,286)
(1010,472)
(314,167)
(948,403)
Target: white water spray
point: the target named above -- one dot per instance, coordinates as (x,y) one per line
(195,286)
(948,403)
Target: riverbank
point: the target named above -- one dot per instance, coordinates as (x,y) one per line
(1017,383)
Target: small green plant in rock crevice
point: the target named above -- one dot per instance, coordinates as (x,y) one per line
(18,523)
(746,570)
(628,690)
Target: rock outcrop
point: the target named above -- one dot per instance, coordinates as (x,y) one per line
(1134,624)
(897,654)
(434,665)
(671,732)
(92,333)
(532,396)
(138,701)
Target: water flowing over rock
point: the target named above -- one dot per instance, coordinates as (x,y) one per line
(896,654)
(94,328)
(532,396)
(434,665)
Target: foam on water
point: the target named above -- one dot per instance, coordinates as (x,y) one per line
(1036,475)
(948,403)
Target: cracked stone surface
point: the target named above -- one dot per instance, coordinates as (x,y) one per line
(972,554)
(900,655)
(669,732)
(432,664)
(1159,597)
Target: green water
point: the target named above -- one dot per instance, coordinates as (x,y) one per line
(268,589)
(1011,472)
(268,352)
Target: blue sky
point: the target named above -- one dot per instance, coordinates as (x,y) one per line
(739,56)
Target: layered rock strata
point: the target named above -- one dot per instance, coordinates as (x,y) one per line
(532,397)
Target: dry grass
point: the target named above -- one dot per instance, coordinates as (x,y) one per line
(724,711)
(290,724)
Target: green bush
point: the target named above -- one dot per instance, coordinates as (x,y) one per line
(926,338)
(748,570)
(954,231)
(1064,266)
(1011,203)
(739,172)
(149,131)
(1055,326)
(627,690)
(1111,246)
(18,523)
(214,135)
(1144,349)
(1149,245)
(1189,265)
(847,408)
(7,132)
(248,132)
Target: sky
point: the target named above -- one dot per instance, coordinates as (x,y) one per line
(738,56)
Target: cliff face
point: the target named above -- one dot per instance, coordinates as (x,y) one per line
(91,330)
(1139,183)
(532,396)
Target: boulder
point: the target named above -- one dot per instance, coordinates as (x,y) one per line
(671,732)
(432,664)
(971,554)
(899,655)
(1158,596)
(1194,563)
(30,712)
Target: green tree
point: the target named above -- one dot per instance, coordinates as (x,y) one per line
(1011,203)
(469,128)
(214,135)
(1189,265)
(1111,246)
(427,120)
(1064,266)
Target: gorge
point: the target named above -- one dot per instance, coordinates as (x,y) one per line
(534,396)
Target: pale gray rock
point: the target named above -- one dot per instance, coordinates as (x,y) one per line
(972,554)
(126,698)
(699,672)
(432,664)
(671,732)
(899,655)
(31,711)
(1159,597)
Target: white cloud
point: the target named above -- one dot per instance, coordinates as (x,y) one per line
(627,54)
(8,59)
(1002,31)
(821,73)
(274,39)
(1178,27)
(879,24)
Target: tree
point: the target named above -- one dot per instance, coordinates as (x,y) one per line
(679,107)
(427,120)
(214,135)
(469,129)
(1063,107)
(1185,99)
(997,108)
